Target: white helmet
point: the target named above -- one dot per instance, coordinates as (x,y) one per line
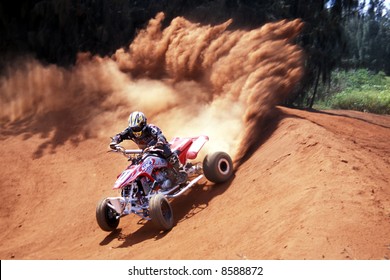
(137,123)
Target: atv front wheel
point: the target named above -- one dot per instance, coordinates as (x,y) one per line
(106,217)
(161,212)
(218,167)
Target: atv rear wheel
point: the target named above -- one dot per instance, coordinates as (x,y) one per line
(218,167)
(106,217)
(161,212)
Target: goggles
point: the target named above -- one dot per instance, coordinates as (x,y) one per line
(136,129)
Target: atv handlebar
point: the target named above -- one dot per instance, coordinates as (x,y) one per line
(133,153)
(130,153)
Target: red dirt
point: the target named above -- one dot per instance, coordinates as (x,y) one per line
(317,187)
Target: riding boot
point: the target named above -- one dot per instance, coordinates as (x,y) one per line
(180,176)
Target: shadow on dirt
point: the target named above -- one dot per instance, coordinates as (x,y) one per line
(350,116)
(262,132)
(68,121)
(54,127)
(112,236)
(198,199)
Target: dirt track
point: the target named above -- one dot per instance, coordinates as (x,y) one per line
(317,187)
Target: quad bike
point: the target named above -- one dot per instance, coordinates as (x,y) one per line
(146,186)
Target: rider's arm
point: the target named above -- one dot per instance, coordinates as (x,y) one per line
(158,135)
(125,134)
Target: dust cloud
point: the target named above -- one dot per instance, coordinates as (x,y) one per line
(189,79)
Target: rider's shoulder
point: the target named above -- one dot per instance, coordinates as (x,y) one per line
(127,133)
(154,129)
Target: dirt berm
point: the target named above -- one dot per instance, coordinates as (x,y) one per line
(316,187)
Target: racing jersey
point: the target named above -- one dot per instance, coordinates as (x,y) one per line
(150,136)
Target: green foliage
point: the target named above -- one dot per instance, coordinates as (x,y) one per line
(358,90)
(370,101)
(360,79)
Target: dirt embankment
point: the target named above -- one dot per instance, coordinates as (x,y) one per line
(316,187)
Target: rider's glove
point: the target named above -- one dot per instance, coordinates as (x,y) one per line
(159,144)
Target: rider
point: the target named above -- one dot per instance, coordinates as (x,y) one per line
(147,135)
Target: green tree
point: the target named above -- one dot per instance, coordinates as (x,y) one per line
(368,37)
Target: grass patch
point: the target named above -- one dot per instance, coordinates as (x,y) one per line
(358,90)
(371,101)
